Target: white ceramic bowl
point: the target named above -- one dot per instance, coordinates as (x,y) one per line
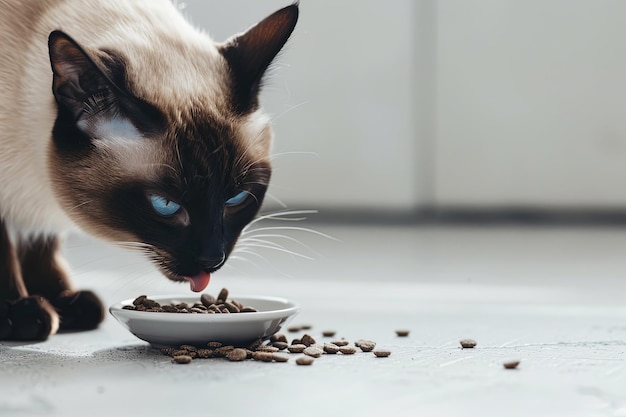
(175,329)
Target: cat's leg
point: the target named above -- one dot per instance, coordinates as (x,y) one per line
(45,274)
(21,317)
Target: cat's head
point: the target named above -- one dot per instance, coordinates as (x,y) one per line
(163,145)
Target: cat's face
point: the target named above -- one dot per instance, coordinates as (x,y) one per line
(173,157)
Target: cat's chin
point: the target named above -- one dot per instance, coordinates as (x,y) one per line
(197,283)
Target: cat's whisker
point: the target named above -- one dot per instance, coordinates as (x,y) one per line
(286,111)
(310,153)
(280,215)
(299,229)
(279,249)
(292,239)
(276,200)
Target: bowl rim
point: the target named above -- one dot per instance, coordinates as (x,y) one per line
(290,307)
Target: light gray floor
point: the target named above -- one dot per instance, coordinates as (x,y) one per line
(554,298)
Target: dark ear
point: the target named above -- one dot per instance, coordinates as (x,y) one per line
(249,54)
(76,75)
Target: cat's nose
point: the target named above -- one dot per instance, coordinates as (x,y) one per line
(212,263)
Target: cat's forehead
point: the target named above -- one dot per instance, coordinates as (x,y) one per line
(179,75)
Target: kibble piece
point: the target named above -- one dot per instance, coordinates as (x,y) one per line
(255,344)
(402,333)
(305,360)
(511,364)
(328,333)
(223,295)
(190,348)
(248,309)
(237,355)
(139,300)
(214,345)
(468,343)
(148,303)
(331,348)
(267,348)
(367,346)
(294,329)
(297,348)
(313,351)
(382,353)
(263,356)
(182,359)
(205,353)
(197,310)
(280,345)
(169,309)
(167,351)
(179,352)
(359,342)
(128,307)
(223,351)
(278,337)
(207,300)
(347,350)
(306,326)
(279,357)
(231,308)
(341,342)
(307,340)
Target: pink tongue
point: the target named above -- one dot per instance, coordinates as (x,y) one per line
(199,282)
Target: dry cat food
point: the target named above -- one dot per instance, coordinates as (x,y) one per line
(382,353)
(207,304)
(468,343)
(328,333)
(267,351)
(511,364)
(402,333)
(305,360)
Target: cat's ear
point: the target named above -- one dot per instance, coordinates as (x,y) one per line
(250,53)
(76,74)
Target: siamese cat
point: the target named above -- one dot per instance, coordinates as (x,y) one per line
(120,119)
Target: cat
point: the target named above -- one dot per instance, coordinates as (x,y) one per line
(120,119)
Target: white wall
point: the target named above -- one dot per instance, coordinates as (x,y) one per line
(531,103)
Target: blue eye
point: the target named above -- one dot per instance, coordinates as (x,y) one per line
(163,206)
(238,199)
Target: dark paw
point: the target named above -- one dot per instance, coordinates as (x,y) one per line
(6,325)
(80,310)
(30,318)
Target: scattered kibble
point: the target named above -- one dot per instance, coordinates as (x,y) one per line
(382,353)
(305,360)
(307,340)
(402,333)
(237,355)
(331,348)
(468,343)
(296,348)
(313,351)
(347,350)
(182,359)
(511,364)
(328,333)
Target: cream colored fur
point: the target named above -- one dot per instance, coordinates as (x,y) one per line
(168,74)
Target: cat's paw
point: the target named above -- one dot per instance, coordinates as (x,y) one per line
(79,310)
(30,318)
(6,326)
